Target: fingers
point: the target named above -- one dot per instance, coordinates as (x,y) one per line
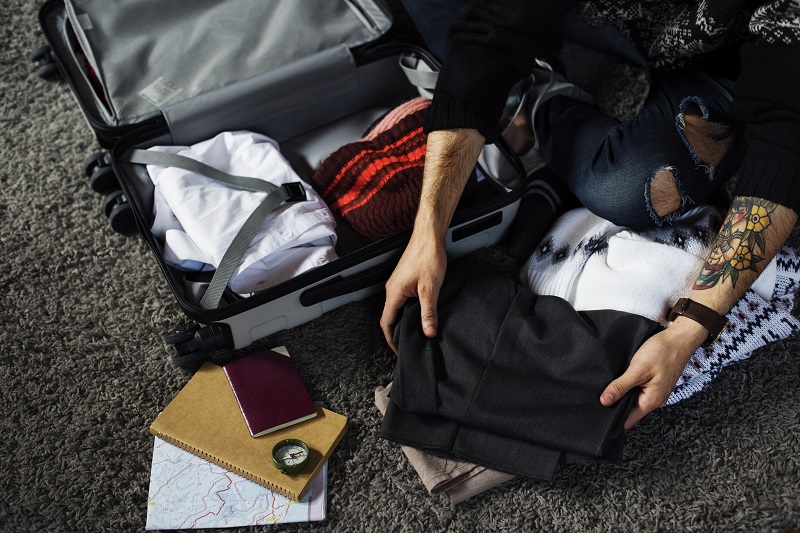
(428,298)
(418,274)
(391,309)
(648,400)
(636,415)
(645,404)
(655,367)
(620,386)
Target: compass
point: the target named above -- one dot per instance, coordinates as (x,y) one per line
(290,456)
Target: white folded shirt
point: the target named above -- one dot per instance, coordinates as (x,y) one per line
(197,218)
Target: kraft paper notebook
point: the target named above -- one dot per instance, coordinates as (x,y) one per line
(205,419)
(270,392)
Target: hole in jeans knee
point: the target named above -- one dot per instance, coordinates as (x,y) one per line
(664,195)
(708,142)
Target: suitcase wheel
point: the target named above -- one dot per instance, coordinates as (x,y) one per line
(181,335)
(40,53)
(46,67)
(103,180)
(48,72)
(97,167)
(195,345)
(94,161)
(119,212)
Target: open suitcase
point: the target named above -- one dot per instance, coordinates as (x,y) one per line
(330,74)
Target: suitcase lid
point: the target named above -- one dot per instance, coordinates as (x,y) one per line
(207,62)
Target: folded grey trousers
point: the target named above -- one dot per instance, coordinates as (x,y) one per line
(512,381)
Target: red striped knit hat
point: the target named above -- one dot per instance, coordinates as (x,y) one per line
(374,184)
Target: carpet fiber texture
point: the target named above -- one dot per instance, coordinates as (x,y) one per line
(83,372)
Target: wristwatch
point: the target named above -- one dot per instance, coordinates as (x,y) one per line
(705,316)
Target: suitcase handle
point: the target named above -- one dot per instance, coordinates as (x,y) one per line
(340,286)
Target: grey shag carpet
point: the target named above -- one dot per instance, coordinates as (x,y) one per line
(83,372)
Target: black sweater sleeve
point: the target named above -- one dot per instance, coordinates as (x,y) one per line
(490,47)
(767,104)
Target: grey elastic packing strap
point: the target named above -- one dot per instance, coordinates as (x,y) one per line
(424,79)
(276,195)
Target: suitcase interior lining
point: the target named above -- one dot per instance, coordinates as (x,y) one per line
(306,137)
(305,153)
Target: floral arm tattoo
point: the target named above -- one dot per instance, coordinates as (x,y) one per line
(740,244)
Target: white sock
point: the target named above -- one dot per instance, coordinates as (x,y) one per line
(594,264)
(646,272)
(557,263)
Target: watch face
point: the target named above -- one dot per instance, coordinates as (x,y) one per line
(291,454)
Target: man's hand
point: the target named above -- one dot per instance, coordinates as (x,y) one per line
(656,367)
(751,235)
(419,274)
(449,159)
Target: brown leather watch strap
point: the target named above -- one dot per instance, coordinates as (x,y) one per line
(705,316)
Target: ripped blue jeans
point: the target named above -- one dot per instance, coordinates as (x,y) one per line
(612,166)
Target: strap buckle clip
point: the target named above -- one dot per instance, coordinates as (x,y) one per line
(295,191)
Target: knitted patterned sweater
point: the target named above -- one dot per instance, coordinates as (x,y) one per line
(495,43)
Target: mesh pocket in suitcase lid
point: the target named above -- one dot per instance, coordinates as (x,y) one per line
(149,55)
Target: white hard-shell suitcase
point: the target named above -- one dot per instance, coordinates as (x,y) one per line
(325,89)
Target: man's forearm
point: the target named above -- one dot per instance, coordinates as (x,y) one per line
(752,233)
(449,159)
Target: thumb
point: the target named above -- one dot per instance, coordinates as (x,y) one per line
(620,386)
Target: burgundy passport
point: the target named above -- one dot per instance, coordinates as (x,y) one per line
(269,391)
